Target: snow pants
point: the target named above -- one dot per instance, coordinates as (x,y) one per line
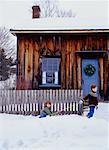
(42,115)
(91,111)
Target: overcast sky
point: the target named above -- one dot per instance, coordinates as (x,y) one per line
(16,11)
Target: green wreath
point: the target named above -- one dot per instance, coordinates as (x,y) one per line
(89,70)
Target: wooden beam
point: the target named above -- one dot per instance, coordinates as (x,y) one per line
(74,65)
(79,65)
(79,71)
(21,70)
(28,63)
(108,48)
(63,62)
(36,64)
(106,63)
(71,65)
(101,72)
(67,65)
(50,44)
(18,31)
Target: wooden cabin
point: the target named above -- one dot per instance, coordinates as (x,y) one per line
(62,54)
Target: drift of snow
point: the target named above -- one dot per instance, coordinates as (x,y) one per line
(55,133)
(7,43)
(9,83)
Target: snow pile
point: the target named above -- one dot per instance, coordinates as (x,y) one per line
(9,83)
(55,133)
(8,43)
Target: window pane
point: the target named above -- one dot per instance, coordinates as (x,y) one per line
(51,67)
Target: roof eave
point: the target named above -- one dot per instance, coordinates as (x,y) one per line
(19,31)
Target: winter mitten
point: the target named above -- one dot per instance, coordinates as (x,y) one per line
(96,107)
(80,102)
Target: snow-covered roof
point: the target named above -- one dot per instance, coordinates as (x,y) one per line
(59,24)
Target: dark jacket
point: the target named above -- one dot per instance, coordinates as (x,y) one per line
(92,99)
(47,111)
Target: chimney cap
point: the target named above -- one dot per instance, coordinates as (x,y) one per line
(36,7)
(36,11)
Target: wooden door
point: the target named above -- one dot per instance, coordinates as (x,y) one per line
(89,74)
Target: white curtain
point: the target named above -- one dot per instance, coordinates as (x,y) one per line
(44,77)
(56,78)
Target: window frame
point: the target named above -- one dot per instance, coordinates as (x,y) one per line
(51,85)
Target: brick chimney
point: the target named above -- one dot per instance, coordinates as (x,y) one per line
(36,12)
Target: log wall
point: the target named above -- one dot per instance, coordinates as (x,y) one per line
(31,48)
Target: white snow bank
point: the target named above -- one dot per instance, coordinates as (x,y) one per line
(55,133)
(10,83)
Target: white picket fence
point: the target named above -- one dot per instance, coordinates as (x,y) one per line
(32,101)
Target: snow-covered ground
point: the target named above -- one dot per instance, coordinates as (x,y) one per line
(9,83)
(69,132)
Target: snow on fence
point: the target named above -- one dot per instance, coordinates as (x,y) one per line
(32,101)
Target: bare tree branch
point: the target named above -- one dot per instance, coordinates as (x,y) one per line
(50,8)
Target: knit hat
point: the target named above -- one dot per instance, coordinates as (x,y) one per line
(47,102)
(93,86)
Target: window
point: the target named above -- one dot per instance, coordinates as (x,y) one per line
(50,72)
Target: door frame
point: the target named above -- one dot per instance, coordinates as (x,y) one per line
(100,55)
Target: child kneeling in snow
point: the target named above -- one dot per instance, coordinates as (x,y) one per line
(47,110)
(93,100)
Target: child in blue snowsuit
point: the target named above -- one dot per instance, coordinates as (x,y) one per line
(92,99)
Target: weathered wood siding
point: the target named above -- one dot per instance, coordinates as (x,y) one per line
(32,47)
